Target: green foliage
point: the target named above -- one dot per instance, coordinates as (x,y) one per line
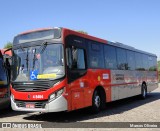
(159,70)
(8,45)
(158,65)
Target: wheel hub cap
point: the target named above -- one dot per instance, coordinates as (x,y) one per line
(97,101)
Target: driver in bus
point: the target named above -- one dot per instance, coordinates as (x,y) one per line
(50,61)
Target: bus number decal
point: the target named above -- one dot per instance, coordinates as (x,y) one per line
(37,96)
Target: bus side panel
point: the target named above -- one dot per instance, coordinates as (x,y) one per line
(80,93)
(100,77)
(82,89)
(128,83)
(152,81)
(125,84)
(77,99)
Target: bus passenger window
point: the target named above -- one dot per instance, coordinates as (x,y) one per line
(152,63)
(122,59)
(131,60)
(94,61)
(96,55)
(139,64)
(110,57)
(75,58)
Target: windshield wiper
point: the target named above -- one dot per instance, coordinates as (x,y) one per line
(40,50)
(22,48)
(27,59)
(42,47)
(34,59)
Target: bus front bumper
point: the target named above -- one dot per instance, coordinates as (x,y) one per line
(57,105)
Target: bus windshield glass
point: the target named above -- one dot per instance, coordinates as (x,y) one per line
(38,62)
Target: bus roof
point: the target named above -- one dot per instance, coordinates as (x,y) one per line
(85,35)
(35,30)
(117,44)
(121,45)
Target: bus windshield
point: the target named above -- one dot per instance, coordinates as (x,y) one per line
(38,62)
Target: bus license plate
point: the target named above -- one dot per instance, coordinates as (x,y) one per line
(30,106)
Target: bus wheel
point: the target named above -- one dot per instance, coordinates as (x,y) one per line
(143,91)
(96,102)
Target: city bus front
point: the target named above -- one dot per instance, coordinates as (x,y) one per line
(38,72)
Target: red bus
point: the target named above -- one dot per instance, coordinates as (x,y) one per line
(4,80)
(58,69)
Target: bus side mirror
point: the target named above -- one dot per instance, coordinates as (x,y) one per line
(7,57)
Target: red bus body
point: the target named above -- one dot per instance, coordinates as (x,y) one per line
(4,82)
(9,53)
(78,86)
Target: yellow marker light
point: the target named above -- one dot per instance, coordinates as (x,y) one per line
(99,78)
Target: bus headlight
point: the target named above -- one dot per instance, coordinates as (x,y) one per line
(12,97)
(52,96)
(56,94)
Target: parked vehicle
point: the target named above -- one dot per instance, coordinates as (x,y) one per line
(4,80)
(59,69)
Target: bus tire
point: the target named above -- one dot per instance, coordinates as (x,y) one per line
(98,102)
(143,91)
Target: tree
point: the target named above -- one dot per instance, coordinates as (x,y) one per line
(8,45)
(159,69)
(158,65)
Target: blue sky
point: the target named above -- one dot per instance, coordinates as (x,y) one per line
(132,22)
